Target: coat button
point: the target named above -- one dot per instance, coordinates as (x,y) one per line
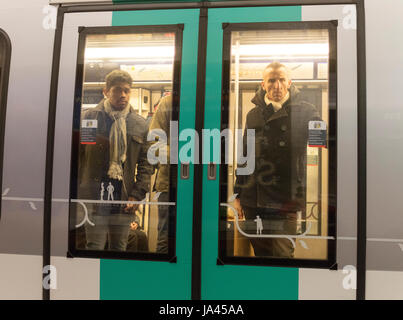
(281,143)
(283,127)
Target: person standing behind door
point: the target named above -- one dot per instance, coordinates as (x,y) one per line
(118,159)
(276,191)
(161,121)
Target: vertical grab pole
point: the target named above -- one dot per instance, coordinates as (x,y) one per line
(236,116)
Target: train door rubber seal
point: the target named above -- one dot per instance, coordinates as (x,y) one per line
(4,78)
(198,170)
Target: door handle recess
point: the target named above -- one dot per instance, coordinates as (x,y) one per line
(212,171)
(185,171)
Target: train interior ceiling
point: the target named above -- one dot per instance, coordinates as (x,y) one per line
(147,57)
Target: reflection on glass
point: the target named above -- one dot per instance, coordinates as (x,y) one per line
(120,205)
(279,87)
(2,59)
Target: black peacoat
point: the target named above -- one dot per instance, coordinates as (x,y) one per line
(279,179)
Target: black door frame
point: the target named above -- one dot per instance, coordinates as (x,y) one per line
(4,79)
(198,174)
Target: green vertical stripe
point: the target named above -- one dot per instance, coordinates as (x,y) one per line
(235,282)
(157,280)
(125,279)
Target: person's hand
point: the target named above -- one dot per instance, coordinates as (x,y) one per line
(134,225)
(238,207)
(131,206)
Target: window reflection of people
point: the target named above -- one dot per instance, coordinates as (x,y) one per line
(276,189)
(161,120)
(119,152)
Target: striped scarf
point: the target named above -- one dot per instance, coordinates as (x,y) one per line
(117,140)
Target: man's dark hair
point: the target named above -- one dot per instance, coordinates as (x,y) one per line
(117,76)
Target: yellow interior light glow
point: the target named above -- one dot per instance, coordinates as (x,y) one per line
(130,52)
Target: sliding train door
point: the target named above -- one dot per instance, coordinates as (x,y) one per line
(90,219)
(279,201)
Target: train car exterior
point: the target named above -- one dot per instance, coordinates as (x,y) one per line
(203,61)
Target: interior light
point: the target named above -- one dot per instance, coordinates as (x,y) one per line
(129,52)
(289,49)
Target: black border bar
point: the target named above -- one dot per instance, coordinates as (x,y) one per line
(47,222)
(198,166)
(362,153)
(202,4)
(279,25)
(4,79)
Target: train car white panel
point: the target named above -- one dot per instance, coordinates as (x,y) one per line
(346,130)
(384,285)
(385,136)
(26,122)
(317,284)
(64,122)
(21,224)
(20,277)
(77,279)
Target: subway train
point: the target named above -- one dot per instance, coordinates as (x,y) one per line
(205,62)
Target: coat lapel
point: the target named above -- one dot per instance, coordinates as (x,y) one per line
(279,114)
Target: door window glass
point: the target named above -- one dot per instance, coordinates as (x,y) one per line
(122,196)
(279,196)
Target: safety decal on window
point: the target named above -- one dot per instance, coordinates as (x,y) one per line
(88,131)
(317,134)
